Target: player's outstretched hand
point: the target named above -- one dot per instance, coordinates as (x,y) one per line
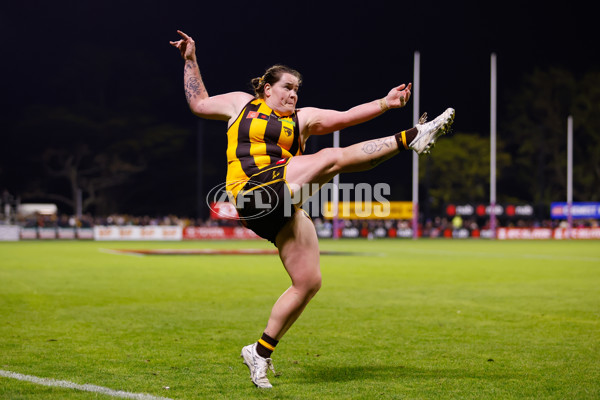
(398,96)
(186,46)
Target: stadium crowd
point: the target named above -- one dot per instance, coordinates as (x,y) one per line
(438,226)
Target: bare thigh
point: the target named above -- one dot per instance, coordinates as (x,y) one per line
(298,247)
(321,167)
(318,168)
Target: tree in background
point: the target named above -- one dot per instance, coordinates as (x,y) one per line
(536,135)
(102,127)
(532,147)
(586,114)
(460,168)
(64,150)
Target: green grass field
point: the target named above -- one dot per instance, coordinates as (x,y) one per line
(402,319)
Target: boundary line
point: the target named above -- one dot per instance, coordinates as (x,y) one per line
(86,388)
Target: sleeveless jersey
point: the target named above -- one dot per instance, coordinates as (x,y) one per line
(258,138)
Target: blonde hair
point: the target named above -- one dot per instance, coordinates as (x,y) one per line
(272,75)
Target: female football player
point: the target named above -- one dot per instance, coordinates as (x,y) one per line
(266,138)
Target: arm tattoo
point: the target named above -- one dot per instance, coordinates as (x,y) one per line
(376,145)
(192,88)
(193,85)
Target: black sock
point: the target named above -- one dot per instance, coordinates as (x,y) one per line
(265,345)
(404,138)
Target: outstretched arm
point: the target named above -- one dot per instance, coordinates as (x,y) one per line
(221,107)
(319,121)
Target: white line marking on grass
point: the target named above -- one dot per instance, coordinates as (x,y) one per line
(85,388)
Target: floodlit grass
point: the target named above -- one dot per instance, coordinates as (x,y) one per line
(403,319)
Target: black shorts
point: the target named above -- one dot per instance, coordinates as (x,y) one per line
(264,203)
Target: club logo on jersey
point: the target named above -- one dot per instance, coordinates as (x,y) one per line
(288,131)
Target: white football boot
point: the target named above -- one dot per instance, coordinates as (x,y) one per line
(258,366)
(430,131)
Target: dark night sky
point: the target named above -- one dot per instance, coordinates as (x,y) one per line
(348,52)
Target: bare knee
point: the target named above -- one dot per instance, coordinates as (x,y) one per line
(315,284)
(309,286)
(332,158)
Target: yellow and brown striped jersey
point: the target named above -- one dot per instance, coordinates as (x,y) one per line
(258,138)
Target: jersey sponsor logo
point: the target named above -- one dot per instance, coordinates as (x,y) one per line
(257,115)
(287,121)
